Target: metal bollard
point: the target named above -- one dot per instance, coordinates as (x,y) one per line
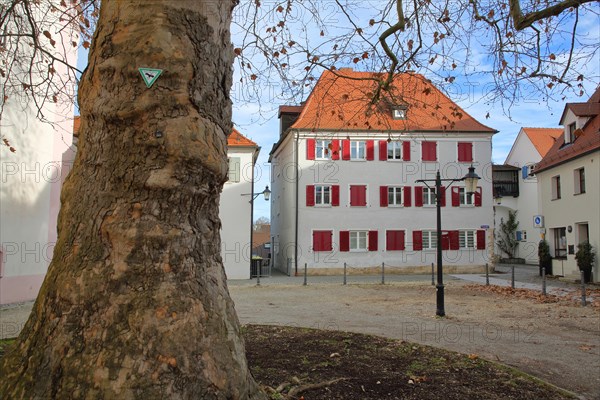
(544,281)
(258,276)
(583,299)
(487,275)
(512,276)
(383,273)
(304,274)
(344,273)
(432,276)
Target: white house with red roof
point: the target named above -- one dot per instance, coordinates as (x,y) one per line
(516,188)
(344,175)
(568,178)
(235,209)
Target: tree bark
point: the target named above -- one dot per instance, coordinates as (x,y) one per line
(135,302)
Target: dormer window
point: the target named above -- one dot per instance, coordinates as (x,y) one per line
(399,113)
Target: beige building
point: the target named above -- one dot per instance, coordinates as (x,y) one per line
(568,178)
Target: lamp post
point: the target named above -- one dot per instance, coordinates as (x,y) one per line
(267,194)
(470,179)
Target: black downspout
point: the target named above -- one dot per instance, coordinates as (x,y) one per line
(297,211)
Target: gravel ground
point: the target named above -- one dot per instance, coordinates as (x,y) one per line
(557,342)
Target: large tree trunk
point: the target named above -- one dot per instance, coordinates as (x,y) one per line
(135,303)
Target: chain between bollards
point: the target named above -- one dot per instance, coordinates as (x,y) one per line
(432,275)
(512,276)
(487,275)
(305,266)
(383,273)
(583,299)
(344,273)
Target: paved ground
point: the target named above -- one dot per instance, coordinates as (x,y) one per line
(559,343)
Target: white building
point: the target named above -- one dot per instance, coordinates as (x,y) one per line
(516,188)
(32,175)
(235,210)
(568,178)
(344,178)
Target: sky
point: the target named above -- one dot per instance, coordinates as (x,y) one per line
(259,122)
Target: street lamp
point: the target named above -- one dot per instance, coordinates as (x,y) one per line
(470,179)
(266,193)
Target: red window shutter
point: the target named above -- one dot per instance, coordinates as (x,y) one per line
(335,195)
(406,196)
(394,240)
(455,197)
(443,196)
(417,240)
(370,150)
(373,239)
(418,196)
(310,195)
(383,196)
(465,152)
(345,149)
(344,240)
(322,241)
(363,195)
(335,149)
(454,242)
(383,150)
(478,197)
(481,239)
(358,195)
(428,151)
(406,151)
(353,196)
(445,240)
(310,149)
(390,240)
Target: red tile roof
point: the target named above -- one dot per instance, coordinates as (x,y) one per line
(344,103)
(236,139)
(543,138)
(587,142)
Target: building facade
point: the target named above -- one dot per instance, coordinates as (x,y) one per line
(568,179)
(31,177)
(235,209)
(516,188)
(344,179)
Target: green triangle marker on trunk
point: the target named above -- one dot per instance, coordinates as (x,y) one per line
(150,75)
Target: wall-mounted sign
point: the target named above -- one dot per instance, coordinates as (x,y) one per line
(150,75)
(485,227)
(538,221)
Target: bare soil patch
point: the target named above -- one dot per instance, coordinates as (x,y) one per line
(325,365)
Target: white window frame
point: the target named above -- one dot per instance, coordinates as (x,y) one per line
(396,151)
(399,113)
(322,149)
(357,239)
(467,239)
(429,194)
(395,190)
(356,147)
(324,191)
(466,199)
(429,239)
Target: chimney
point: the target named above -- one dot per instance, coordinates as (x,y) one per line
(287,116)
